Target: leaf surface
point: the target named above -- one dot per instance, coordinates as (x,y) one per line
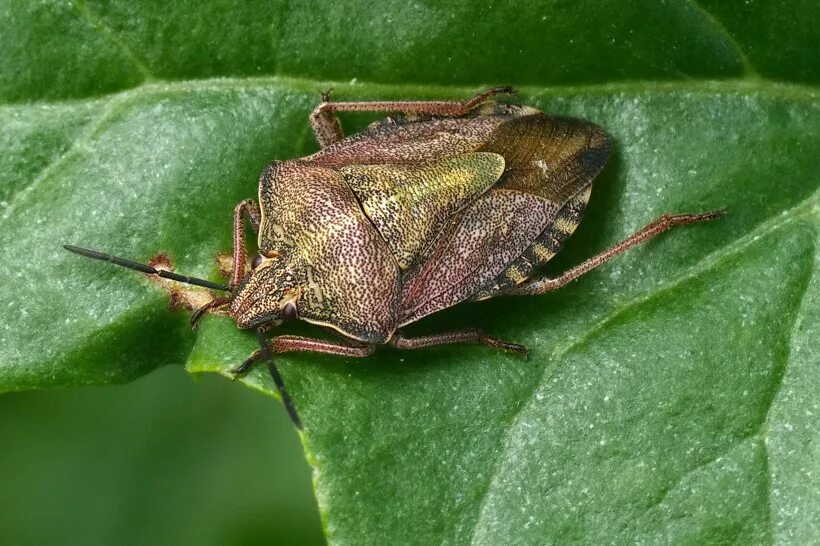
(670,395)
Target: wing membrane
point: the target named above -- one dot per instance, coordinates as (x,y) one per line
(521,222)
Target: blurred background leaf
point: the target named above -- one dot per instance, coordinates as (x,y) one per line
(670,396)
(162,461)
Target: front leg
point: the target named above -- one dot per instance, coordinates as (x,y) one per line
(328,130)
(288,344)
(251,209)
(248,208)
(299,344)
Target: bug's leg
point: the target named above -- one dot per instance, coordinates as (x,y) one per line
(326,126)
(249,207)
(460,336)
(654,228)
(328,130)
(213,304)
(299,344)
(287,344)
(265,354)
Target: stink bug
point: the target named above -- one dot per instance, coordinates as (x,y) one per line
(447,201)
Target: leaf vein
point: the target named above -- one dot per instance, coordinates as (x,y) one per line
(99,25)
(781,378)
(93,127)
(698,467)
(747,86)
(721,27)
(807,206)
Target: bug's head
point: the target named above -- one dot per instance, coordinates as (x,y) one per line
(267,293)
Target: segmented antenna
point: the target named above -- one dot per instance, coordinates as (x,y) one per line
(145,268)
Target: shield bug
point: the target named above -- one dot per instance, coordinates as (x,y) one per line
(444,202)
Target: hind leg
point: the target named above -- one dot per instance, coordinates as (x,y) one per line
(459,336)
(651,230)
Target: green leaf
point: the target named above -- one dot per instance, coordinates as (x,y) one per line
(670,396)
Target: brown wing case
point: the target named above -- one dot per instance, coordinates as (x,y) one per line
(497,240)
(410,204)
(475,247)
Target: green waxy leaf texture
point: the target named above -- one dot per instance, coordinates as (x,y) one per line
(670,396)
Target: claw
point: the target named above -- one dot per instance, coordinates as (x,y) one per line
(245,367)
(516,348)
(199,313)
(507,90)
(197,316)
(714,214)
(506,346)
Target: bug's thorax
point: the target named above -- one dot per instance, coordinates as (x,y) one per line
(349,280)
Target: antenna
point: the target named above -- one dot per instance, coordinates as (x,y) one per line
(145,268)
(264,354)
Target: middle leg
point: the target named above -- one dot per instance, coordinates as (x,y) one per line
(459,336)
(300,344)
(287,344)
(328,130)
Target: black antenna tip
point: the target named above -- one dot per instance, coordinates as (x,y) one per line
(145,268)
(88,253)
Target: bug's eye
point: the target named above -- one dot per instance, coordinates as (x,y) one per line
(256,261)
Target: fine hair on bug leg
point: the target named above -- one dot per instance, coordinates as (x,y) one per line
(447,201)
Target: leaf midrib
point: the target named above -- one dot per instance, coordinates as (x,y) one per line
(113,103)
(748,85)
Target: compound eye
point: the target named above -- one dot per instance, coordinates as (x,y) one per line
(257,260)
